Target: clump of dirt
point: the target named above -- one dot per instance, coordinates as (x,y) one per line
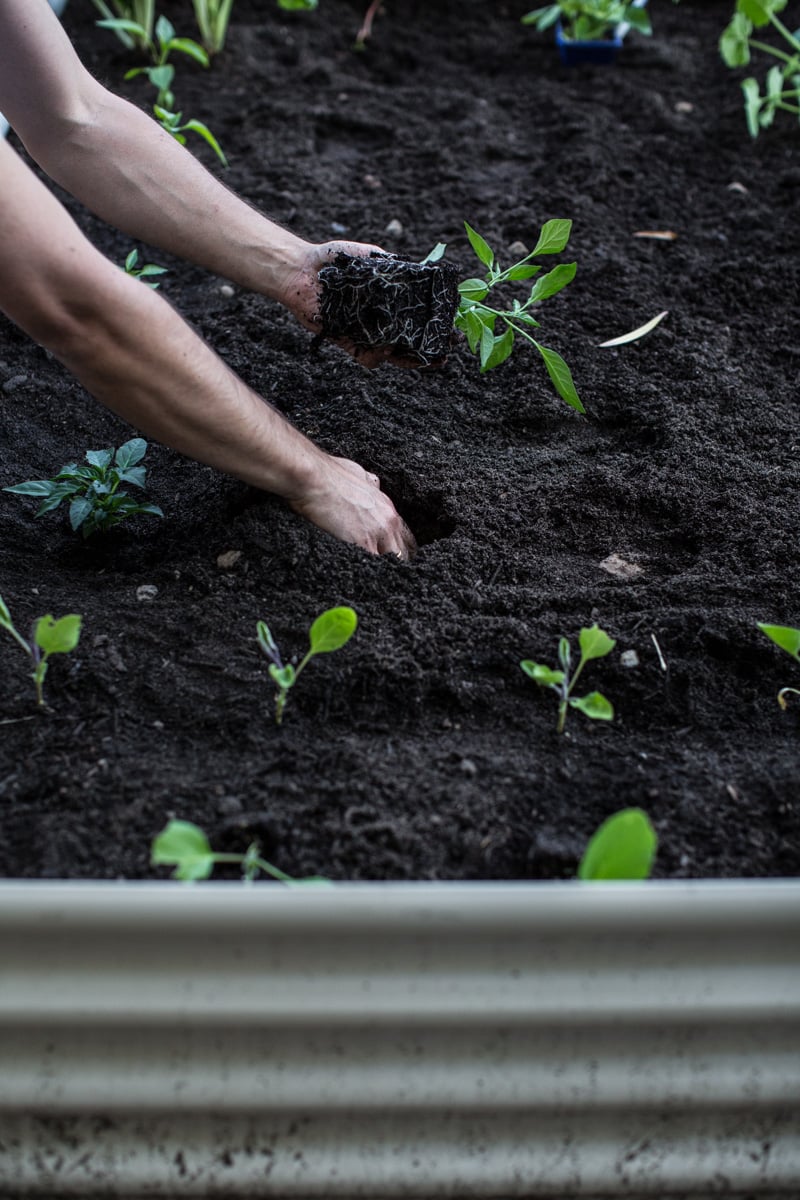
(383,302)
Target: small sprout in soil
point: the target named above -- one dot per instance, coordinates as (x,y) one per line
(623,847)
(298,5)
(782,81)
(212,18)
(478,319)
(95,502)
(48,636)
(137,12)
(789,640)
(171,121)
(594,643)
(185,847)
(159,48)
(145,272)
(331,630)
(589,20)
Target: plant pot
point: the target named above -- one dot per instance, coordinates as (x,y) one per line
(574,53)
(385,1040)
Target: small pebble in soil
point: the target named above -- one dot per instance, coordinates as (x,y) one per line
(629,658)
(738,187)
(226,290)
(468,766)
(146,592)
(620,567)
(518,250)
(372,181)
(394,228)
(228,559)
(14,382)
(338,228)
(684,106)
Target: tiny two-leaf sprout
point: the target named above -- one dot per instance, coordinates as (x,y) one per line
(48,636)
(331,630)
(95,502)
(184,846)
(145,272)
(623,847)
(479,319)
(789,640)
(594,643)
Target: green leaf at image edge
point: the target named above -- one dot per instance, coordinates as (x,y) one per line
(623,848)
(332,629)
(184,846)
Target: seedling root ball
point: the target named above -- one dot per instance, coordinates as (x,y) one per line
(382,301)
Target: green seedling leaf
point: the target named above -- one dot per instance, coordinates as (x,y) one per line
(79,511)
(553,237)
(266,641)
(473,289)
(594,705)
(99,458)
(298,5)
(190,48)
(332,630)
(130,453)
(623,848)
(553,282)
(57,637)
(561,376)
(184,846)
(481,247)
(435,254)
(734,44)
(204,132)
(543,18)
(284,677)
(539,673)
(756,12)
(752,106)
(784,636)
(635,334)
(595,643)
(522,271)
(500,350)
(120,25)
(33,487)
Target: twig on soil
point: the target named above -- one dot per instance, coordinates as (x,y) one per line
(661,659)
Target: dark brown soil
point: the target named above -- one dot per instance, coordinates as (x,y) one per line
(421,750)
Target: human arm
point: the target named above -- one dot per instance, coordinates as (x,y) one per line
(97,320)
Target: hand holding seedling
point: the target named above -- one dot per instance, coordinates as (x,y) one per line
(184,846)
(594,643)
(48,637)
(331,630)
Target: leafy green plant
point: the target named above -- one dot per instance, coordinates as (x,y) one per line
(623,847)
(330,631)
(478,318)
(594,643)
(145,272)
(213,18)
(135,12)
(95,502)
(171,121)
(183,845)
(158,47)
(789,640)
(782,81)
(48,636)
(589,20)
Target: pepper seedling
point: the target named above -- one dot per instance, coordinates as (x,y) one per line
(145,272)
(623,847)
(594,643)
(212,18)
(789,640)
(184,846)
(330,631)
(96,504)
(48,636)
(782,81)
(478,319)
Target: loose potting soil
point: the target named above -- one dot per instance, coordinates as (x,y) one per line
(669,514)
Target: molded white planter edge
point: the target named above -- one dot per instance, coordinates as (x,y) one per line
(58,7)
(386,1040)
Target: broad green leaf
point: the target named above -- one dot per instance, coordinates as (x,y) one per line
(184,846)
(734,44)
(503,345)
(755,11)
(59,493)
(543,18)
(638,19)
(207,135)
(473,327)
(79,510)
(561,376)
(99,458)
(165,30)
(553,281)
(134,475)
(33,487)
(553,237)
(541,674)
(473,289)
(332,629)
(481,247)
(298,5)
(594,705)
(119,24)
(150,510)
(57,637)
(486,344)
(435,254)
(191,48)
(523,271)
(130,453)
(784,636)
(624,847)
(595,643)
